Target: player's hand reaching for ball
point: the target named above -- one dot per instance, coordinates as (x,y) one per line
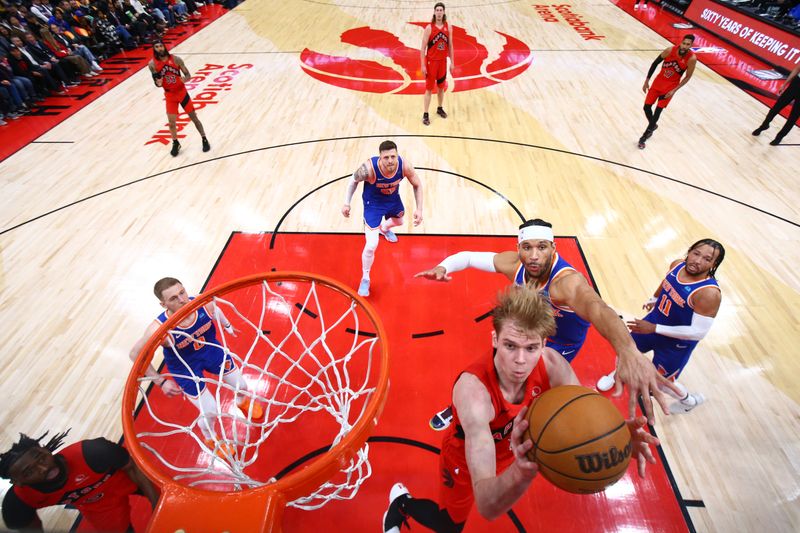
(521,446)
(346,210)
(640,443)
(436,274)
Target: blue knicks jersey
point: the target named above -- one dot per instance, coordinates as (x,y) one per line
(202,329)
(673,307)
(570,328)
(384,188)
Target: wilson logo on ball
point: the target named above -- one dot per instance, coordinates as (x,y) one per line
(597,462)
(472,67)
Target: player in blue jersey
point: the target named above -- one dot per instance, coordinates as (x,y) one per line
(575,304)
(383,207)
(681,312)
(190,349)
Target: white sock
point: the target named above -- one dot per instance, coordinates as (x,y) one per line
(368,255)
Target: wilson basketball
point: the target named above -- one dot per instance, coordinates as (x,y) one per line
(580,440)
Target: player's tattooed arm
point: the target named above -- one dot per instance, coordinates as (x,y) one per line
(156,75)
(363,172)
(182,66)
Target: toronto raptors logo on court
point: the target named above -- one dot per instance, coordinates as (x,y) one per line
(473,67)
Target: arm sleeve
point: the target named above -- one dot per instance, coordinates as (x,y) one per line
(351,189)
(463,260)
(102,455)
(16,513)
(653,67)
(696,331)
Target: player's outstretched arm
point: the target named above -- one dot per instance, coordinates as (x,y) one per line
(633,368)
(461,261)
(494,495)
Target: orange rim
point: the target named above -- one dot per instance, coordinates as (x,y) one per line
(293,485)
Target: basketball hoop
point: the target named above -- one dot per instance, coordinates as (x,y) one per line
(314,355)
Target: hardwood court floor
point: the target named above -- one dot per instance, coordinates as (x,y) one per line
(557,140)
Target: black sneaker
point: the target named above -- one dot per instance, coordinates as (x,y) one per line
(442,419)
(440,112)
(776,141)
(176,147)
(642,144)
(758,130)
(425,119)
(394,518)
(649,132)
(206,146)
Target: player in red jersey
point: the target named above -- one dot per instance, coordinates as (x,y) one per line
(170,73)
(95,476)
(483,458)
(677,60)
(437,46)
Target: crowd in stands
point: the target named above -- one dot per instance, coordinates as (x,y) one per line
(47,46)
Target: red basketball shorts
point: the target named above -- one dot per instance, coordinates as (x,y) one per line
(437,74)
(657,93)
(455,489)
(182,99)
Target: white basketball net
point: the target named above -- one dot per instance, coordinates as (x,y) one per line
(314,379)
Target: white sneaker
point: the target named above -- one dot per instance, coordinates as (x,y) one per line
(363,287)
(606,383)
(684,406)
(395,517)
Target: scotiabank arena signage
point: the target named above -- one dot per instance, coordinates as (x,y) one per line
(767,42)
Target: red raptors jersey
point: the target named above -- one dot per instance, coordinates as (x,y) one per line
(85,489)
(171,74)
(504,411)
(671,71)
(438,43)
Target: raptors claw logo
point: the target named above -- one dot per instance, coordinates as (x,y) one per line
(405,76)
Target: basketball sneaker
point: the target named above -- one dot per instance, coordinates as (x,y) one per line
(606,383)
(642,144)
(425,119)
(221,449)
(759,130)
(363,287)
(389,235)
(394,517)
(246,406)
(440,112)
(684,406)
(176,147)
(776,141)
(442,419)
(206,146)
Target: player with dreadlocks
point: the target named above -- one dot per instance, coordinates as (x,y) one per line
(95,476)
(681,312)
